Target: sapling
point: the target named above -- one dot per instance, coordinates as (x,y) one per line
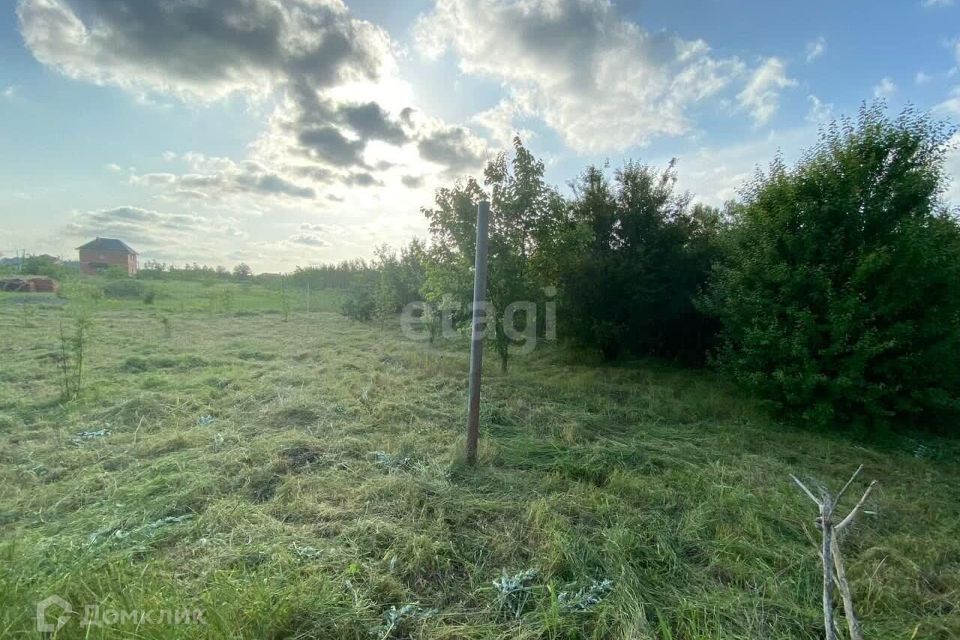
(73,347)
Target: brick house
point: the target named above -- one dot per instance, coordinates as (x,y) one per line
(103,253)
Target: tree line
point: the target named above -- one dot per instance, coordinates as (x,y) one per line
(829,289)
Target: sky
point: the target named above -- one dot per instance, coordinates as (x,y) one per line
(294,132)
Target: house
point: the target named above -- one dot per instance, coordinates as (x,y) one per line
(102,253)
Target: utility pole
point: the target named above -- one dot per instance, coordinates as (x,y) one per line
(476,343)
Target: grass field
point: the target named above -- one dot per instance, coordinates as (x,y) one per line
(302,478)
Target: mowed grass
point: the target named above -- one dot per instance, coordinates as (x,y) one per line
(300,478)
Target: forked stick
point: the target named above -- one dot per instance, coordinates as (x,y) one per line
(830,554)
(853,513)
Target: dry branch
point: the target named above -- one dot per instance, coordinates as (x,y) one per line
(830,554)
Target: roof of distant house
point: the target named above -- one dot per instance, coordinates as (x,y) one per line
(108,244)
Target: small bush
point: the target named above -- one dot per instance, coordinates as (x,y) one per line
(359,304)
(124,289)
(149,296)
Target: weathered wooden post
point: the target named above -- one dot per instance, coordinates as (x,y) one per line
(476,342)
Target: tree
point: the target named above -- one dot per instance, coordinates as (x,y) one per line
(44,266)
(242,271)
(839,289)
(522,208)
(634,255)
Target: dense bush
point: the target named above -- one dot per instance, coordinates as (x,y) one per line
(46,266)
(343,275)
(126,288)
(634,256)
(839,291)
(399,277)
(359,303)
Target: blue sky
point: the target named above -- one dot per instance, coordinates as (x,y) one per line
(304,131)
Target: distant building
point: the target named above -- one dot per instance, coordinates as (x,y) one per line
(102,253)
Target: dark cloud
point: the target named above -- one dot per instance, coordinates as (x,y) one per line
(201,47)
(309,240)
(143,226)
(317,174)
(204,50)
(320,227)
(328,144)
(223,178)
(363,179)
(270,183)
(413,182)
(338,133)
(451,147)
(371,122)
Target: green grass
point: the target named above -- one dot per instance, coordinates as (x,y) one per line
(328,487)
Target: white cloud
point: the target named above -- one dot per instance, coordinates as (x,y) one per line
(601,82)
(950,106)
(9,92)
(761,96)
(816,48)
(217,178)
(936,3)
(344,139)
(331,73)
(147,228)
(922,78)
(885,88)
(819,111)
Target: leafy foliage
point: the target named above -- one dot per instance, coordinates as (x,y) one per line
(74,345)
(523,213)
(44,265)
(514,591)
(633,256)
(359,303)
(585,598)
(839,291)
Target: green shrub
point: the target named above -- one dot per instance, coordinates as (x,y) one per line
(121,289)
(631,261)
(359,303)
(45,266)
(839,293)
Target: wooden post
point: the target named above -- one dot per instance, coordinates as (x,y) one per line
(476,342)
